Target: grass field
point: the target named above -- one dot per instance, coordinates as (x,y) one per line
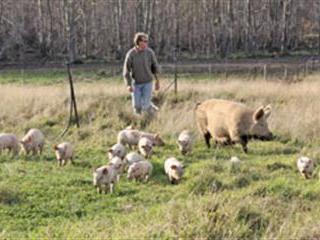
(264,198)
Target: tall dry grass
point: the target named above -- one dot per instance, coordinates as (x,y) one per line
(295,106)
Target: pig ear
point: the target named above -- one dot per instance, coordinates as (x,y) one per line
(105,171)
(173,167)
(156,135)
(258,114)
(26,140)
(267,111)
(130,127)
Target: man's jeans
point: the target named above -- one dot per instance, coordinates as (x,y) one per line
(141,97)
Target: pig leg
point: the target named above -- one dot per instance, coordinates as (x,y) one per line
(15,150)
(111,187)
(244,142)
(34,151)
(40,148)
(146,178)
(207,137)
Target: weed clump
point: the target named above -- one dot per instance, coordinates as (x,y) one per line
(205,183)
(254,220)
(8,196)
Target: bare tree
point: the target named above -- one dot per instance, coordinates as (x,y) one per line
(105,28)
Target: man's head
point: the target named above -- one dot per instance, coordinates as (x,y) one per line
(141,40)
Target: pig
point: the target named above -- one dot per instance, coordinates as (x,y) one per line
(145,146)
(9,141)
(117,150)
(131,137)
(174,170)
(230,122)
(140,171)
(133,157)
(185,142)
(305,166)
(119,164)
(154,138)
(33,141)
(64,152)
(105,178)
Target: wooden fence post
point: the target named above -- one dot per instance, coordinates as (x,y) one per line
(73,103)
(265,72)
(285,73)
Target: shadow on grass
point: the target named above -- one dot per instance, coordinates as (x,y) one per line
(84,164)
(278,166)
(37,158)
(8,196)
(158,175)
(8,158)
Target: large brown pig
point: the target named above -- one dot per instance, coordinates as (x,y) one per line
(230,122)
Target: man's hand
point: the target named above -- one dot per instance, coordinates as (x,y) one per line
(130,89)
(157,85)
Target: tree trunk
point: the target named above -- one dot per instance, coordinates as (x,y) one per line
(284,30)
(50,33)
(318,28)
(71,30)
(248,29)
(40,24)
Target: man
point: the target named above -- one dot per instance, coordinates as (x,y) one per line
(139,67)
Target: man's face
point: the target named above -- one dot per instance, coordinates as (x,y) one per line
(143,43)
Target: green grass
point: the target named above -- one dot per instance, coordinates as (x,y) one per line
(39,199)
(265,197)
(54,76)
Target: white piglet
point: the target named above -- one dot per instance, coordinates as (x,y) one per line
(133,157)
(33,141)
(154,137)
(10,142)
(105,178)
(119,165)
(145,146)
(64,152)
(129,137)
(174,170)
(141,170)
(305,166)
(185,142)
(117,150)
